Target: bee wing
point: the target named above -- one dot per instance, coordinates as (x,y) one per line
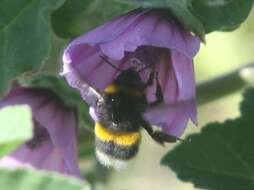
(172,118)
(90,94)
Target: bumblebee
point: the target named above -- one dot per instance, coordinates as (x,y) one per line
(120,110)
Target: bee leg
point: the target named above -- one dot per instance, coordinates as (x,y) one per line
(163,137)
(149,82)
(159,136)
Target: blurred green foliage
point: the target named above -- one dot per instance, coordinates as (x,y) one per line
(225,52)
(25,36)
(31,179)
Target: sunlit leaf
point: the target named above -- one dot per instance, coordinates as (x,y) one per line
(16,127)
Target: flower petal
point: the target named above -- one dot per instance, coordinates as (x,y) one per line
(154,29)
(89,94)
(173,118)
(178,86)
(124,34)
(183,69)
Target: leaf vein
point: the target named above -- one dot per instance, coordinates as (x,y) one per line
(16,16)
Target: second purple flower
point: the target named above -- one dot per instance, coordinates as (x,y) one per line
(53,146)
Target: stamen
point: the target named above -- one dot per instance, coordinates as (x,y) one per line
(135,62)
(40,136)
(140,65)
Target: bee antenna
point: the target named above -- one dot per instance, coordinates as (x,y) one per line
(108,62)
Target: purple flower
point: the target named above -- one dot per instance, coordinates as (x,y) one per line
(141,37)
(53,146)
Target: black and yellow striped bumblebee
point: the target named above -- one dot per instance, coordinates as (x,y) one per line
(120,110)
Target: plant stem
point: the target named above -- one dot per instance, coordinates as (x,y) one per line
(224,85)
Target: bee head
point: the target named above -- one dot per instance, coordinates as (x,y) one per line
(129,78)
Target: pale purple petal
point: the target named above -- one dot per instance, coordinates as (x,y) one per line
(183,68)
(124,34)
(172,118)
(176,76)
(89,94)
(93,114)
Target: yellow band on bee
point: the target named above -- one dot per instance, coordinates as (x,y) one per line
(113,88)
(110,89)
(120,138)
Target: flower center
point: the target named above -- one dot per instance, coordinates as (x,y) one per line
(145,57)
(40,136)
(136,63)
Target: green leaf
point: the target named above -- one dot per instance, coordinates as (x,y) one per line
(224,15)
(16,127)
(78,16)
(60,87)
(180,9)
(24,36)
(221,156)
(203,16)
(182,13)
(247,106)
(38,180)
